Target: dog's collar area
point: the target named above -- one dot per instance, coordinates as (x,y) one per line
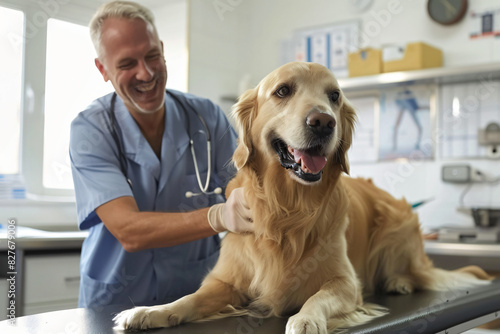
(287,160)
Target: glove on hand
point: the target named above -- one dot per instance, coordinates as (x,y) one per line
(233,216)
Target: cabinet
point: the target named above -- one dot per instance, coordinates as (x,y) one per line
(47,271)
(51,282)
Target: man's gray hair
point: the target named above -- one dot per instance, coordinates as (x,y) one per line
(117,9)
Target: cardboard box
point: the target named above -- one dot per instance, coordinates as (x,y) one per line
(415,56)
(365,62)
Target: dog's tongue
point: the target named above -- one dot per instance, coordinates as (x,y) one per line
(313,163)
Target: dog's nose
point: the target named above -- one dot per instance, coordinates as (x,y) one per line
(320,123)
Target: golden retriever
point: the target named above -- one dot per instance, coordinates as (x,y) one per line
(322,239)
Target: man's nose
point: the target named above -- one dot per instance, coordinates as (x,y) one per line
(144,73)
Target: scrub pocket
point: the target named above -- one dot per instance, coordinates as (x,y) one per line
(94,293)
(123,289)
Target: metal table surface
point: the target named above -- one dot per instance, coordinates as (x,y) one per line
(422,312)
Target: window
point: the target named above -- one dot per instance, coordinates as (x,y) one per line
(72,82)
(11,58)
(47,76)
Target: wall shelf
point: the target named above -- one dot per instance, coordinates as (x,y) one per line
(441,75)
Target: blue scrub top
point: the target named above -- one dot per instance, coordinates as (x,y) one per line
(109,274)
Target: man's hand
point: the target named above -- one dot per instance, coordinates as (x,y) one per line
(233,216)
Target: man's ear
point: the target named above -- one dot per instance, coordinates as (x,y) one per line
(101,69)
(244,112)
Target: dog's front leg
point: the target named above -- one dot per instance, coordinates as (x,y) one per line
(336,297)
(212,297)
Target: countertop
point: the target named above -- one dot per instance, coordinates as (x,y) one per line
(27,238)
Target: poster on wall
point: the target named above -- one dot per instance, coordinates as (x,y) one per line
(364,143)
(405,123)
(485,23)
(465,108)
(329,45)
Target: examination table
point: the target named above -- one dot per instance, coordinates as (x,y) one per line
(423,312)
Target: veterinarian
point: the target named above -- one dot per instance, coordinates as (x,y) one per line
(152,214)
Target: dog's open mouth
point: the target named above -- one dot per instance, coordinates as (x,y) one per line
(307,164)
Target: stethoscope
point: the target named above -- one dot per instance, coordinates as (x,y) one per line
(123,160)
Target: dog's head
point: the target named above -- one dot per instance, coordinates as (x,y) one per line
(297,116)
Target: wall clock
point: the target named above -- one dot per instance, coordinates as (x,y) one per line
(447,12)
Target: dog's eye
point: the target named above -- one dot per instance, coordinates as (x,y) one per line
(283,91)
(334,96)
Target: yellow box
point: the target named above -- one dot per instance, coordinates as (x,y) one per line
(416,56)
(365,62)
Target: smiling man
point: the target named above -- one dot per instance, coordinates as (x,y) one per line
(132,165)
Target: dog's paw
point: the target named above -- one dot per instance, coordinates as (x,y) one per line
(146,317)
(400,285)
(302,324)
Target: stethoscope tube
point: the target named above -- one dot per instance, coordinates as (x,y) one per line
(123,161)
(203,189)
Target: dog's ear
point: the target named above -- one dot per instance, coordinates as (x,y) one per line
(348,117)
(244,112)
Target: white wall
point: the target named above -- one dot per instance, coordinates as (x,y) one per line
(172,24)
(231,39)
(217,44)
(274,21)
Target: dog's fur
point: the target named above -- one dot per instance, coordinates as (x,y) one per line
(319,245)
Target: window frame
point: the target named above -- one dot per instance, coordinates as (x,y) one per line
(20,97)
(37,14)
